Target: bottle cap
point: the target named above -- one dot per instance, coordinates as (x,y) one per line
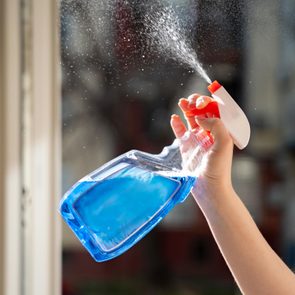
(214,86)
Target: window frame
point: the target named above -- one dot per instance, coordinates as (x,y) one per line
(30,152)
(10,147)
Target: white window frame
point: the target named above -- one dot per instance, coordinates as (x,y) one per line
(30,153)
(10,148)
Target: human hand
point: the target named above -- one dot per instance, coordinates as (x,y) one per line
(215,174)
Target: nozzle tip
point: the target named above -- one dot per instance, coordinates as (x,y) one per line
(214,86)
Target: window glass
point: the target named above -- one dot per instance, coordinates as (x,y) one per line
(125,64)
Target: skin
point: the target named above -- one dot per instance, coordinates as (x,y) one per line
(256,268)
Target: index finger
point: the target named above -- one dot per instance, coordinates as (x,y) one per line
(187,105)
(194,101)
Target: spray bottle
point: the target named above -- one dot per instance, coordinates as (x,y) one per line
(115,206)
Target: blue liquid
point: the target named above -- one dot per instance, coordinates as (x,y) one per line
(111,215)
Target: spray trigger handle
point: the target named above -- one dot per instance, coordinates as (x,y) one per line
(210,110)
(224,107)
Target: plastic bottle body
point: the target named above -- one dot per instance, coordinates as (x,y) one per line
(115,206)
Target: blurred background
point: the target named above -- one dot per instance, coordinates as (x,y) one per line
(118,93)
(94,70)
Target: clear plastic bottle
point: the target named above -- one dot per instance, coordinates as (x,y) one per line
(116,205)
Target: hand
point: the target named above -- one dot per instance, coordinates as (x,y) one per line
(253,263)
(216,167)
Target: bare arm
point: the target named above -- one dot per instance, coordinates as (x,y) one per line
(256,268)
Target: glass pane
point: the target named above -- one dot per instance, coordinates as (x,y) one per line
(125,64)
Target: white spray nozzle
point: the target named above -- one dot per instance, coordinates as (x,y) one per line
(231,115)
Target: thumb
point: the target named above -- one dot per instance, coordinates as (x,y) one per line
(218,131)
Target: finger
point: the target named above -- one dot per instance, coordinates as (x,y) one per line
(180,130)
(203,101)
(192,99)
(186,106)
(178,126)
(201,105)
(218,131)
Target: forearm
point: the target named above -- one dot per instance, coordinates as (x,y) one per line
(254,265)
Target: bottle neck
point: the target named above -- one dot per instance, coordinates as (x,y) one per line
(185,154)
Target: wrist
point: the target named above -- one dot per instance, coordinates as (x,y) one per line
(211,195)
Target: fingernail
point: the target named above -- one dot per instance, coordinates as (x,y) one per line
(181,101)
(192,98)
(174,116)
(200,103)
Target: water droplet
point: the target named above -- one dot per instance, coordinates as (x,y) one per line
(168,37)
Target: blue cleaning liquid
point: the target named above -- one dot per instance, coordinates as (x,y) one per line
(111,215)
